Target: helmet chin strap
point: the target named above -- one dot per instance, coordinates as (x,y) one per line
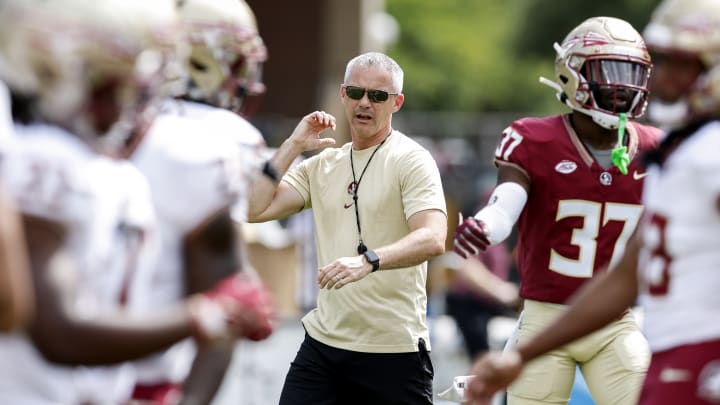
(607,121)
(620,156)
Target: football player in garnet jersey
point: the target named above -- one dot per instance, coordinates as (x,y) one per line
(91,68)
(199,137)
(573,183)
(672,263)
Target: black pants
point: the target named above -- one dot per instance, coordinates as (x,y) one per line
(324,375)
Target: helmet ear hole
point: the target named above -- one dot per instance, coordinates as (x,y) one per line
(197,65)
(563,79)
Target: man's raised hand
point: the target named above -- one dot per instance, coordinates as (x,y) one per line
(307,133)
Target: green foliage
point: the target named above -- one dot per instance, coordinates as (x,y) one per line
(453,53)
(487,55)
(545,22)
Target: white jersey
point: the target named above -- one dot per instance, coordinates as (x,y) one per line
(199,160)
(106,208)
(6,126)
(680,261)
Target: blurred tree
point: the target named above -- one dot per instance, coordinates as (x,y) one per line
(486,55)
(544,23)
(455,53)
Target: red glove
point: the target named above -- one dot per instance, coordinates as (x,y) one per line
(237,306)
(471,237)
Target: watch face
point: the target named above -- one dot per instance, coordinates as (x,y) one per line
(373,259)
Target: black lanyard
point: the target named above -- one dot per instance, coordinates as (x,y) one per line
(355,185)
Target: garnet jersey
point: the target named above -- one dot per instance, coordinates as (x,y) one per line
(578,215)
(680,259)
(106,209)
(199,160)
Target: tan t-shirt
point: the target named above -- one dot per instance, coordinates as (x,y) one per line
(385,312)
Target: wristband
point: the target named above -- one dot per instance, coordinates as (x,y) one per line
(504,208)
(270,171)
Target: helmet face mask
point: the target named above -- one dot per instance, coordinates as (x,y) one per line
(615,85)
(602,69)
(116,105)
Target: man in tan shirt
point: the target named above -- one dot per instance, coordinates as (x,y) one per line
(380,214)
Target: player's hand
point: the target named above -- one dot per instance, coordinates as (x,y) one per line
(306,135)
(471,237)
(237,306)
(493,372)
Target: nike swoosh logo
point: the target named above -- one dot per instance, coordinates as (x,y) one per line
(638,176)
(347,205)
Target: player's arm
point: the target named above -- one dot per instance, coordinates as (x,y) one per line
(64,337)
(602,300)
(271,198)
(494,222)
(481,278)
(599,303)
(16,293)
(210,255)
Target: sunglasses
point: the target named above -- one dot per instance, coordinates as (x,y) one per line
(376,96)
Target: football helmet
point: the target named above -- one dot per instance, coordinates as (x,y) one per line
(92,67)
(602,69)
(691,29)
(225,64)
(15,70)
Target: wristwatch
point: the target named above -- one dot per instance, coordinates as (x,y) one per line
(372,258)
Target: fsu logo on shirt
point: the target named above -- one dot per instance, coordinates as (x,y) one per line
(351,188)
(606,178)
